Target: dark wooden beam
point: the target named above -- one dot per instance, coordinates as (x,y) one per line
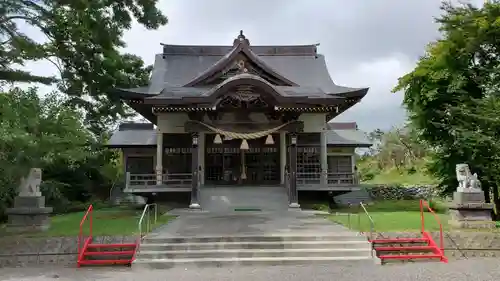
(193,126)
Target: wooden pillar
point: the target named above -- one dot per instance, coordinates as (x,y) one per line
(282,156)
(294,203)
(323,159)
(201,158)
(195,173)
(159,157)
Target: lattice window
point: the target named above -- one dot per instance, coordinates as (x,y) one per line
(223,164)
(140,165)
(339,164)
(177,160)
(308,165)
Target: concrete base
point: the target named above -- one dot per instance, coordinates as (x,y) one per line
(294,206)
(468,197)
(195,206)
(464,224)
(28,214)
(469,210)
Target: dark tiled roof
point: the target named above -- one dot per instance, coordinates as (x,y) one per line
(301,91)
(346,133)
(140,135)
(310,73)
(133,134)
(342,125)
(194,50)
(348,137)
(178,70)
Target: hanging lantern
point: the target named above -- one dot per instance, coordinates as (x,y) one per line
(217,139)
(244,145)
(269,139)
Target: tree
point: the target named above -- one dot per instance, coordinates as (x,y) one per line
(83,41)
(396,151)
(452,93)
(38,132)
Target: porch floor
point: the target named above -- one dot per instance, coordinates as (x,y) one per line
(187,188)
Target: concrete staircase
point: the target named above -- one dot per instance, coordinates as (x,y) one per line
(252,250)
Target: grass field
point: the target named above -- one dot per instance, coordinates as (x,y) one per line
(401,215)
(106,221)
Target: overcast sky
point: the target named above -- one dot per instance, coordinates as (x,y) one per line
(366,43)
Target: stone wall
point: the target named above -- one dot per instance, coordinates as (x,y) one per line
(460,244)
(392,192)
(23,252)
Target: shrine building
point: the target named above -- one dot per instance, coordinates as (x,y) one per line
(239,115)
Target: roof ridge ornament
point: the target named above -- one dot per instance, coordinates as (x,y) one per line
(241,39)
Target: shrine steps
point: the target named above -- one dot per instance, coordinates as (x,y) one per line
(408,249)
(252,250)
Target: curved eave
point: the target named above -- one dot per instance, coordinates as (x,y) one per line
(356,145)
(145,110)
(242,47)
(357,93)
(133,93)
(243,79)
(280,98)
(352,97)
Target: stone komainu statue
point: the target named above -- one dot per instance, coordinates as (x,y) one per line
(467,181)
(30,185)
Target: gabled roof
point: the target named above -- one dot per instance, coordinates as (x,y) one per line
(187,75)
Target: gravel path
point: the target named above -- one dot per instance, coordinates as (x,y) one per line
(472,269)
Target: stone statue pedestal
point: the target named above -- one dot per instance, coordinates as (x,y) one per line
(28,214)
(469,210)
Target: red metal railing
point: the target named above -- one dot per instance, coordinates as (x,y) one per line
(84,243)
(425,233)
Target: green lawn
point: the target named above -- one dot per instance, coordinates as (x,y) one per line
(106,221)
(392,221)
(401,215)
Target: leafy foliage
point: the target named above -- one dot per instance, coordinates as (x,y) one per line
(82,40)
(47,133)
(452,94)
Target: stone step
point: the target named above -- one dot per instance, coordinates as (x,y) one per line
(237,261)
(341,236)
(256,245)
(247,253)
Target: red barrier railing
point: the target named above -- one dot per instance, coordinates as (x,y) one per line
(425,233)
(83,243)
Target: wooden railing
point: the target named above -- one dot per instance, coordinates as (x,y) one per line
(331,178)
(178,179)
(148,180)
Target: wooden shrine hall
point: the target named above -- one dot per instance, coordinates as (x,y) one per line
(239,115)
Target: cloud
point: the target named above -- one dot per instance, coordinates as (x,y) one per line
(380,108)
(366,43)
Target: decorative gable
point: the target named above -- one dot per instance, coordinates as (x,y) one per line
(242,64)
(240,60)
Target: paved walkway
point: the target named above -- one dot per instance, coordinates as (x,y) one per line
(219,217)
(248,223)
(224,199)
(464,270)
